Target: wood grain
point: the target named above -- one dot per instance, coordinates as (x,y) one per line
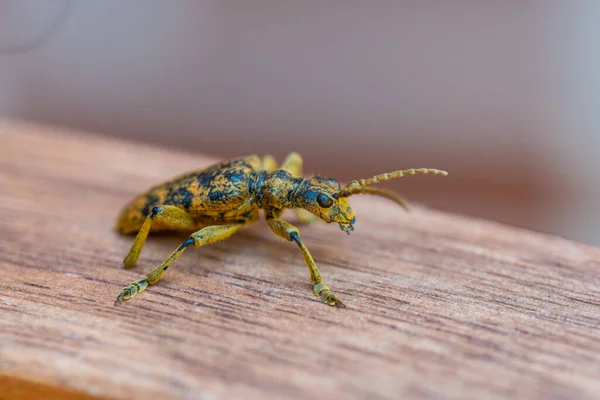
(439,305)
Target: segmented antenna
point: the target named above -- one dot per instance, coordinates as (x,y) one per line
(356,186)
(386,193)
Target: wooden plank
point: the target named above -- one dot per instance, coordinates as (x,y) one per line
(438,305)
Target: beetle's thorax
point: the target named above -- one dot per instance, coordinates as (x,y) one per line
(276,189)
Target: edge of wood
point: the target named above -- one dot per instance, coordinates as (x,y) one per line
(18,387)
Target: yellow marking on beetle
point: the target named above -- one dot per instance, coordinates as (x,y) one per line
(226,196)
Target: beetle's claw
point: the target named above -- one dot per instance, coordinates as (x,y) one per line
(333,300)
(125,294)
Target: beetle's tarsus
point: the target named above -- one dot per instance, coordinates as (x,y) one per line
(131,290)
(322,290)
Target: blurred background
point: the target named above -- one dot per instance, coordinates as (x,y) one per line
(503,94)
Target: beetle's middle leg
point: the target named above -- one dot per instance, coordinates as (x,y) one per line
(170,217)
(205,236)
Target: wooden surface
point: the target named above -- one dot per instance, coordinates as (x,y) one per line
(439,306)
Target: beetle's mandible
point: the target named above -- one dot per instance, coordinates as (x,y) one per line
(217,201)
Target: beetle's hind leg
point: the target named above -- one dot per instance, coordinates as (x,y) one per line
(205,236)
(166,217)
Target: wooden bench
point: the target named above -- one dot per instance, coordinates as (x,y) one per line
(438,305)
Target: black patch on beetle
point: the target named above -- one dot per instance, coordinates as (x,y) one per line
(151,201)
(180,196)
(218,196)
(235,176)
(255,186)
(310,196)
(205,179)
(281,174)
(155,211)
(296,186)
(295,238)
(188,242)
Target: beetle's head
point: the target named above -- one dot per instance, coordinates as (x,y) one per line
(326,199)
(321,197)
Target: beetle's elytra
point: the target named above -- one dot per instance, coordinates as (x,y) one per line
(217,201)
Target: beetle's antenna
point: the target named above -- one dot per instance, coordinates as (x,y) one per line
(388,194)
(358,186)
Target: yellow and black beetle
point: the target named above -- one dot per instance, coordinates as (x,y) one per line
(217,201)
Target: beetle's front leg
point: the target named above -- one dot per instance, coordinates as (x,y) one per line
(290,232)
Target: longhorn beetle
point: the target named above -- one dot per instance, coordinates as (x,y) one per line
(217,201)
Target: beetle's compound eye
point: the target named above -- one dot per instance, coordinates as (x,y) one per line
(324,200)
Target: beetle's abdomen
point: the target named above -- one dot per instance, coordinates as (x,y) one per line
(217,192)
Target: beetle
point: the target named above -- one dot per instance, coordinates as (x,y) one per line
(218,201)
